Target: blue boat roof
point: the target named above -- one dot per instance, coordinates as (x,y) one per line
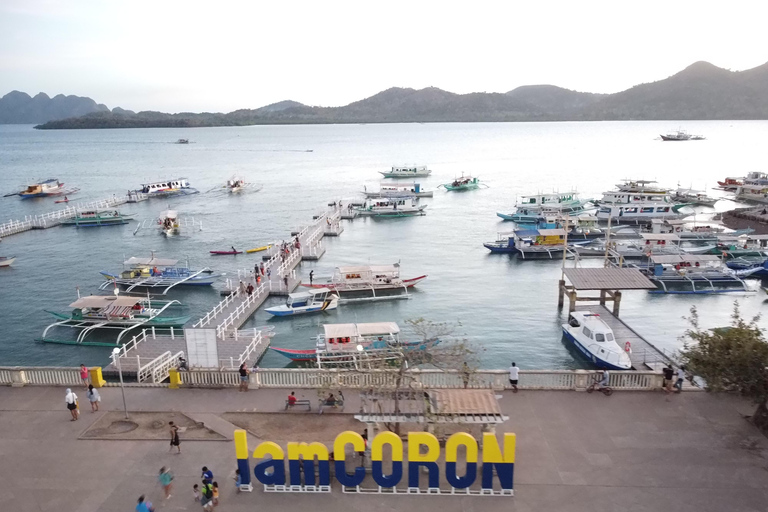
(527,232)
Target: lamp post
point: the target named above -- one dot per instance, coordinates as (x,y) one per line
(116,357)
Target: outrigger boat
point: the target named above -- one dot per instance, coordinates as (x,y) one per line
(237,184)
(532,209)
(594,338)
(731,183)
(348,342)
(7,261)
(463,183)
(694,274)
(370,278)
(46,188)
(313,301)
(694,197)
(681,135)
(98,218)
(177,187)
(538,244)
(157,273)
(391,207)
(758,267)
(169,223)
(113,312)
(755,188)
(407,171)
(394,189)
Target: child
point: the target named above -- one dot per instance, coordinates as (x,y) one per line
(196,492)
(215,494)
(238,480)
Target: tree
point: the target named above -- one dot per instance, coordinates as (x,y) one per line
(731,359)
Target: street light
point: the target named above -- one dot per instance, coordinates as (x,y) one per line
(116,358)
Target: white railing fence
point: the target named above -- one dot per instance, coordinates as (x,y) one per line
(129,346)
(240,310)
(157,371)
(221,306)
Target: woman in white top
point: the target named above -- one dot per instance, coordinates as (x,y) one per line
(71,400)
(94,398)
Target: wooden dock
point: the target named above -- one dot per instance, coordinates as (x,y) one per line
(226,318)
(55,218)
(643,354)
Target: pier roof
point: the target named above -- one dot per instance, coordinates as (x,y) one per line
(472,406)
(608,279)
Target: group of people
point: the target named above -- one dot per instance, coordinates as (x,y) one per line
(73,403)
(669,378)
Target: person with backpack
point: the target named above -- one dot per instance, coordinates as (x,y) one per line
(206,500)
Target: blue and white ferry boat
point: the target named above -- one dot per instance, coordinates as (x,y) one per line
(316,300)
(177,187)
(594,338)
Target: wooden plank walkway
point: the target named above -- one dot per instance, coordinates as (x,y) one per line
(644,355)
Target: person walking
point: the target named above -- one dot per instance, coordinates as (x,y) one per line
(514,372)
(243,370)
(465,374)
(206,500)
(84,375)
(175,441)
(680,379)
(215,490)
(262,268)
(242,288)
(285,280)
(311,276)
(269,273)
(669,375)
(165,478)
(206,474)
(144,506)
(71,399)
(256,268)
(93,397)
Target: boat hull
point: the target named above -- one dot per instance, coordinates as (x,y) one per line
(303,310)
(258,249)
(409,175)
(500,247)
(600,363)
(7,262)
(195,281)
(222,253)
(406,283)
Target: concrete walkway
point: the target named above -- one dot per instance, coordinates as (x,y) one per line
(575,452)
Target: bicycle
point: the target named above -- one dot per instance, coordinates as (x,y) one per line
(606,390)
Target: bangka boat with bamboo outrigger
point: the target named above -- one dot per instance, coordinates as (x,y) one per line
(694,274)
(366,278)
(355,344)
(397,189)
(98,218)
(407,171)
(46,188)
(463,183)
(157,273)
(115,312)
(390,207)
(532,209)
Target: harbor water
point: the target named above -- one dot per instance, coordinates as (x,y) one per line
(505,307)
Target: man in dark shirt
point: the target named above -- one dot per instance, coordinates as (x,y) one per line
(669,373)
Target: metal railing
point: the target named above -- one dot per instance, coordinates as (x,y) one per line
(158,369)
(221,306)
(221,329)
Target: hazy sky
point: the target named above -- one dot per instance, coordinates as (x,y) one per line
(222,55)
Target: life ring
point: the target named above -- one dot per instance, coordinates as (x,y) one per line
(627,347)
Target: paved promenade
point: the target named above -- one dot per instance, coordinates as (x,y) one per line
(633,451)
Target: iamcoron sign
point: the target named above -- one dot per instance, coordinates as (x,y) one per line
(309,464)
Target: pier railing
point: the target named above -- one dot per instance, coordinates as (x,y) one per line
(240,310)
(289,378)
(211,315)
(157,370)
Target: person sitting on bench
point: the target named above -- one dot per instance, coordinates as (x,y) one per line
(292,399)
(331,400)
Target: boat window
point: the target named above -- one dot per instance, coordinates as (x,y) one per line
(630,210)
(599,336)
(648,209)
(609,336)
(587,332)
(662,209)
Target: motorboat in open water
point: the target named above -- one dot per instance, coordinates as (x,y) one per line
(407,171)
(594,338)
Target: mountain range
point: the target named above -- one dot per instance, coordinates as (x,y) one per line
(700,91)
(21,108)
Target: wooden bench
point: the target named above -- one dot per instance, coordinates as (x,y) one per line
(298,402)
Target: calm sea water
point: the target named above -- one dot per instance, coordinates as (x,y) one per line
(507,307)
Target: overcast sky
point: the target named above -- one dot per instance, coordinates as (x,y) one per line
(223,55)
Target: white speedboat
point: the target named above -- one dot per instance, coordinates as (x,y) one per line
(313,301)
(7,261)
(391,207)
(594,338)
(169,223)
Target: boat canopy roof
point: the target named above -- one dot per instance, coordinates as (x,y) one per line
(162,182)
(526,232)
(680,258)
(102,301)
(552,232)
(354,330)
(308,294)
(369,268)
(659,236)
(150,261)
(671,222)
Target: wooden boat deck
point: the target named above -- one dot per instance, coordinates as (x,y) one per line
(644,355)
